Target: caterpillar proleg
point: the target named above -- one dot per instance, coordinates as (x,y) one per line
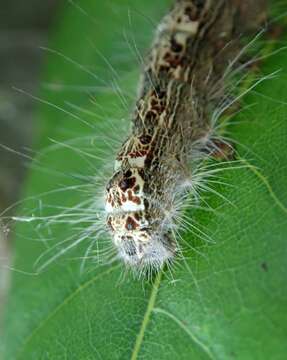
(183,91)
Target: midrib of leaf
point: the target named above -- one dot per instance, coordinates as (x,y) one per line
(151,308)
(66,301)
(146,318)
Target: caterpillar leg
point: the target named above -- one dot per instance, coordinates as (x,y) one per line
(222,150)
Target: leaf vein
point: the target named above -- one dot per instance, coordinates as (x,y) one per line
(185,328)
(267,184)
(67,300)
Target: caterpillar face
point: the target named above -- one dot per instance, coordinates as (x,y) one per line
(137,237)
(140,247)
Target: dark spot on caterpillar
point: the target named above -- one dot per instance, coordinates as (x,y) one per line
(145,139)
(130,195)
(160,192)
(164,68)
(131,224)
(155,165)
(177,158)
(173,61)
(149,158)
(199,4)
(160,152)
(154,102)
(175,47)
(148,161)
(157,108)
(128,174)
(137,189)
(125,184)
(146,204)
(167,56)
(136,200)
(150,115)
(137,217)
(222,151)
(141,174)
(158,92)
(109,222)
(191,13)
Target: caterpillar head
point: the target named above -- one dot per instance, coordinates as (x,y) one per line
(137,243)
(138,239)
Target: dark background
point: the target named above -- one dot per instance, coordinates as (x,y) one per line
(24,26)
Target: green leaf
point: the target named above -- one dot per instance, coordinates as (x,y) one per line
(229,299)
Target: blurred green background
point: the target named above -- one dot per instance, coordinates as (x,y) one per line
(230,301)
(24,27)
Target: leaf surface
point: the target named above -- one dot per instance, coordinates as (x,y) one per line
(229,299)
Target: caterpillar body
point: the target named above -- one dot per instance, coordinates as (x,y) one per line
(184,83)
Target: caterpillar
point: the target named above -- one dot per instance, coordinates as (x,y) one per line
(189,80)
(182,93)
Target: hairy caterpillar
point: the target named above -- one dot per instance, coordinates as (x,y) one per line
(183,92)
(226,282)
(186,85)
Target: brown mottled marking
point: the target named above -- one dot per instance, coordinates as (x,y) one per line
(136,154)
(151,115)
(130,195)
(175,46)
(137,216)
(136,200)
(109,222)
(131,224)
(127,183)
(192,13)
(222,151)
(145,139)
